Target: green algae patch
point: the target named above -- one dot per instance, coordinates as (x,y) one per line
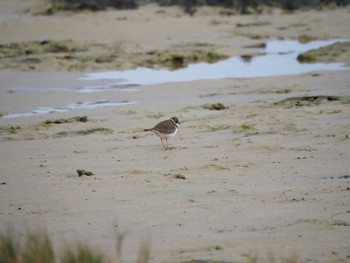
(176,59)
(308,101)
(215,106)
(337,52)
(73,55)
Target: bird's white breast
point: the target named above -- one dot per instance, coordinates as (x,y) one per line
(164,136)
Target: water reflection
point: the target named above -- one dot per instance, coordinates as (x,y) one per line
(247,58)
(280,58)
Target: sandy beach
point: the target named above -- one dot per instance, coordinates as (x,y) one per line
(264,179)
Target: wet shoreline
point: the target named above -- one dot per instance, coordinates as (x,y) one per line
(281,56)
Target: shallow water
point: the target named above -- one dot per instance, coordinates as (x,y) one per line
(69,107)
(280,59)
(83,89)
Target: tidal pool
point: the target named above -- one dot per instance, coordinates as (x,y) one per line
(69,107)
(280,58)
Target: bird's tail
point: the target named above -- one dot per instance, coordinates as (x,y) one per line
(147,130)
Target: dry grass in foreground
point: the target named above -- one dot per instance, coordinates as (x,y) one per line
(36,247)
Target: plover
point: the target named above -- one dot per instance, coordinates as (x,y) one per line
(166,129)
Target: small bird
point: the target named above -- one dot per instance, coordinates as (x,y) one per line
(165,130)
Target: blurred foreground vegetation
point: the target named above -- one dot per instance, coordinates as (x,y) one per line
(36,247)
(241,6)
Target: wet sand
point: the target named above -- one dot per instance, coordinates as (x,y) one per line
(263,177)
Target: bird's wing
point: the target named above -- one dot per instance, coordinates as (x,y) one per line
(161,127)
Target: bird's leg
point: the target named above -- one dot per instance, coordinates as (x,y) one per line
(163,143)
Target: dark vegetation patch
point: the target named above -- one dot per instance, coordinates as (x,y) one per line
(75,56)
(38,47)
(239,6)
(215,106)
(69,120)
(10,130)
(304,38)
(337,52)
(83,132)
(46,53)
(310,101)
(42,130)
(180,58)
(92,5)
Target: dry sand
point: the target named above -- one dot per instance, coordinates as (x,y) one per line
(261,178)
